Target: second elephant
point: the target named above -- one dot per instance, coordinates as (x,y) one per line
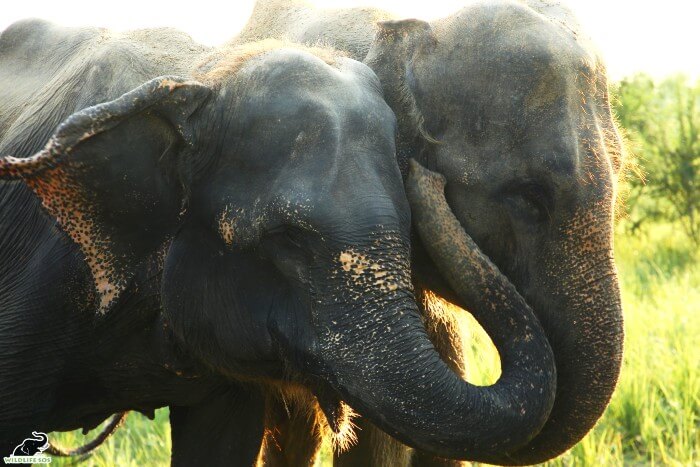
(508,101)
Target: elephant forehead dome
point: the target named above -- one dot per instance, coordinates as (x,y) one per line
(516,36)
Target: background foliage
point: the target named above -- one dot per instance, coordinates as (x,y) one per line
(654,416)
(662,125)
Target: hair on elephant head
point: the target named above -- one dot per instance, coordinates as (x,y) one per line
(271,187)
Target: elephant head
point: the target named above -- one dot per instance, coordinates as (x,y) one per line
(271,188)
(511,107)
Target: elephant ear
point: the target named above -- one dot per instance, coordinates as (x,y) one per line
(396,46)
(109,176)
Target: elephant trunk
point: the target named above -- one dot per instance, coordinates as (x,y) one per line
(588,359)
(582,319)
(374,351)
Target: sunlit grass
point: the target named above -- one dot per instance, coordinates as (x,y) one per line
(139,442)
(654,417)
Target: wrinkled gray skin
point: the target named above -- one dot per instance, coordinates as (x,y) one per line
(509,102)
(236,228)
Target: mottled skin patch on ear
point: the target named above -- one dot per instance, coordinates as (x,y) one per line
(16,167)
(225,226)
(64,200)
(57,175)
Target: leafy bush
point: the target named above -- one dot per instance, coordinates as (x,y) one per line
(662,124)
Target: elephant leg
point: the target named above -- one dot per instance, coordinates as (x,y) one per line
(293,434)
(227,429)
(374,447)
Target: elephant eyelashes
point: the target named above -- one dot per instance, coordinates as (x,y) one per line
(530,202)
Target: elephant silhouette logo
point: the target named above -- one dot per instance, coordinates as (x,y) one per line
(32,446)
(30,450)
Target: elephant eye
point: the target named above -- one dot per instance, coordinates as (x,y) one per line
(285,237)
(530,202)
(286,248)
(293,237)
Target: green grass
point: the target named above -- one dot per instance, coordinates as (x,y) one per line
(654,417)
(139,442)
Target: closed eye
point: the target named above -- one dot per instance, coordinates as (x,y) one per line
(285,236)
(529,201)
(286,248)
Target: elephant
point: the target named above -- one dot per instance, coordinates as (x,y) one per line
(213,229)
(32,446)
(508,100)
